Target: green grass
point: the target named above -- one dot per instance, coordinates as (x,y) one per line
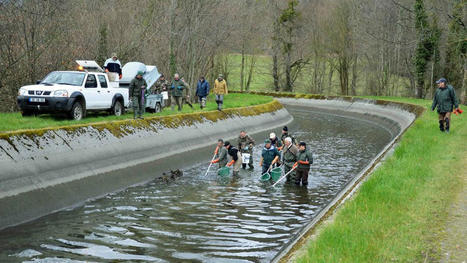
(14,121)
(398,215)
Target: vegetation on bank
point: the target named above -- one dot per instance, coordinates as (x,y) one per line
(14,121)
(399,214)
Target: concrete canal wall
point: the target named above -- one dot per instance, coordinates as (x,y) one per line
(42,171)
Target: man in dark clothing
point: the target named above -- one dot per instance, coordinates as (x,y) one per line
(136,93)
(202,91)
(177,88)
(221,154)
(446,100)
(275,141)
(245,144)
(304,159)
(236,157)
(285,134)
(290,153)
(269,156)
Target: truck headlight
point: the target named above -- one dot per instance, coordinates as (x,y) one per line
(22,92)
(61,93)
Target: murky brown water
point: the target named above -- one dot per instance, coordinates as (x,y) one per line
(203,219)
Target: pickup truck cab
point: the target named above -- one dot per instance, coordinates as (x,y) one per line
(74,93)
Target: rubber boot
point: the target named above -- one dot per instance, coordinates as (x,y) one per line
(251,166)
(243,165)
(447,125)
(441,125)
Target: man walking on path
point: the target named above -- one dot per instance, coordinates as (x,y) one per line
(221,154)
(446,100)
(220,89)
(290,153)
(245,144)
(136,92)
(236,157)
(202,91)
(304,160)
(177,89)
(269,156)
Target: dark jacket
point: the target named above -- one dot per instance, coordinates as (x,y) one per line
(276,142)
(202,88)
(445,99)
(290,155)
(305,155)
(285,135)
(113,66)
(269,155)
(135,87)
(234,153)
(177,88)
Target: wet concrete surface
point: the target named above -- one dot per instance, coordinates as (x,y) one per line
(192,218)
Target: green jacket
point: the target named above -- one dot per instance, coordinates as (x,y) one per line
(161,85)
(222,156)
(244,144)
(445,99)
(177,88)
(305,155)
(135,87)
(290,155)
(269,155)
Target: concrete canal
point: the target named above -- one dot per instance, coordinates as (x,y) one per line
(205,219)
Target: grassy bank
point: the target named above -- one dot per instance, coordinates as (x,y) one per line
(14,121)
(399,214)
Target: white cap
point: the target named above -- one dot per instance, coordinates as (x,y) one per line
(272,135)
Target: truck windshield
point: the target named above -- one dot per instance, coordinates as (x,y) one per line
(65,78)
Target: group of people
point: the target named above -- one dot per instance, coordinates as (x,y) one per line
(296,159)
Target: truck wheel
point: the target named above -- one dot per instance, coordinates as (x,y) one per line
(77,111)
(27,113)
(117,109)
(158,107)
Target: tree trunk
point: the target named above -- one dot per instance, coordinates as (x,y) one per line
(275,72)
(172,59)
(242,68)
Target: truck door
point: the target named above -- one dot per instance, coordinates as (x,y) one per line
(106,94)
(91,92)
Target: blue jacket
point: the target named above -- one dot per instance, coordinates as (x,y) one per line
(202,89)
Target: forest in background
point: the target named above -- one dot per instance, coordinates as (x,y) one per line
(338,47)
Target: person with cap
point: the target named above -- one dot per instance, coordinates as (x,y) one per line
(289,155)
(177,89)
(445,100)
(220,89)
(136,92)
(161,85)
(245,144)
(221,154)
(275,141)
(202,91)
(304,160)
(114,67)
(285,134)
(269,156)
(236,157)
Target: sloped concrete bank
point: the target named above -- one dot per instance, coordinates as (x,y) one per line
(42,171)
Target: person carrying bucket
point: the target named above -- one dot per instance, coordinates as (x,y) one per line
(304,160)
(245,145)
(269,156)
(221,154)
(289,155)
(236,157)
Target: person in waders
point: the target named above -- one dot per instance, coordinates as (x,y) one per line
(136,93)
(269,156)
(221,154)
(290,153)
(445,100)
(304,160)
(236,157)
(246,144)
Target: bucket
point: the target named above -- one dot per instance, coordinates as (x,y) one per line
(265,177)
(223,171)
(276,173)
(165,95)
(245,158)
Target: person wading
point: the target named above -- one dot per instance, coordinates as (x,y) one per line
(136,93)
(221,154)
(290,153)
(285,134)
(236,157)
(177,88)
(220,89)
(304,160)
(245,144)
(445,100)
(269,156)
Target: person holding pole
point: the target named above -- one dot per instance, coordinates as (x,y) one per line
(220,154)
(269,156)
(289,155)
(304,160)
(236,157)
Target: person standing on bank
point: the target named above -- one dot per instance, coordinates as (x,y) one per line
(446,100)
(220,89)
(186,98)
(245,144)
(304,160)
(221,154)
(136,92)
(177,88)
(202,91)
(290,153)
(269,156)
(236,157)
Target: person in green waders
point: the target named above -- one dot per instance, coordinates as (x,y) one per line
(136,93)
(269,156)
(445,100)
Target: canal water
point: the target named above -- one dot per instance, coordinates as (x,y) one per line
(204,219)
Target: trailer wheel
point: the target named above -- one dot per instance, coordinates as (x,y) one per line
(77,111)
(117,109)
(158,107)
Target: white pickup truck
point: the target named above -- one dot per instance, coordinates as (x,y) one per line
(74,93)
